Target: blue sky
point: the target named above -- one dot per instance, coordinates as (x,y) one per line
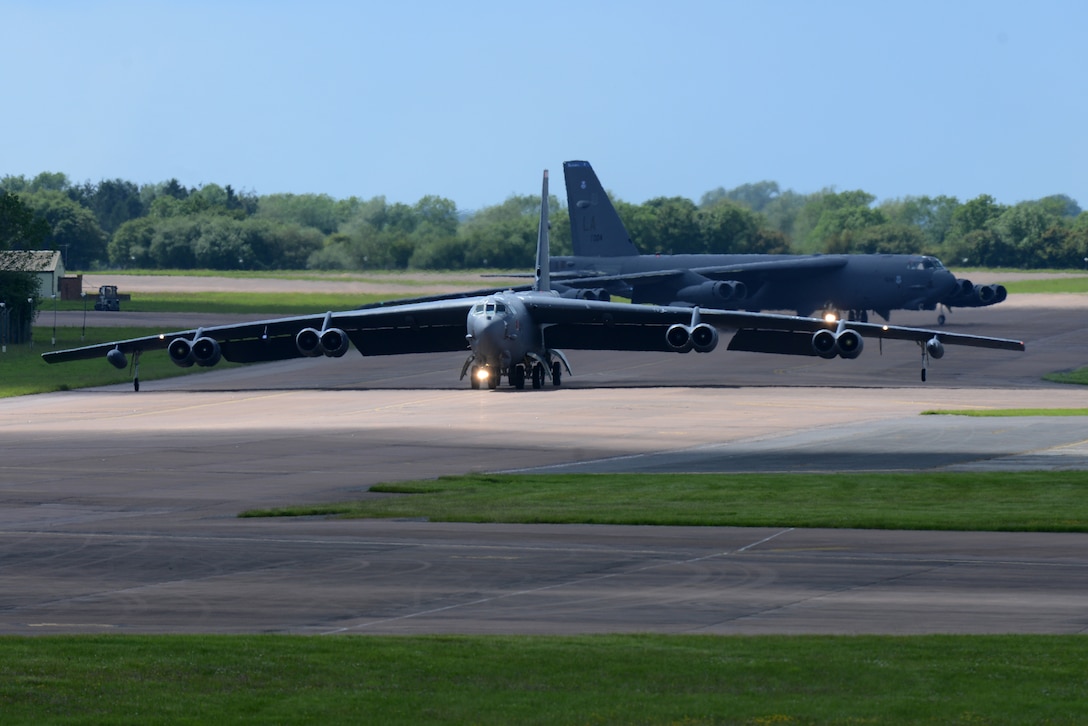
(471,100)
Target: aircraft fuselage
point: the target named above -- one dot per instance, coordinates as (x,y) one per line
(880,282)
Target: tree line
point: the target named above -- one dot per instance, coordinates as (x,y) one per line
(118,224)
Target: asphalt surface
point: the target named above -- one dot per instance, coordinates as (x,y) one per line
(118,510)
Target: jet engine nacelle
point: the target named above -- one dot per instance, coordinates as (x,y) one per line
(847,344)
(712,293)
(701,338)
(990,294)
(970,295)
(206,352)
(332,342)
(180,351)
(935,348)
(595,293)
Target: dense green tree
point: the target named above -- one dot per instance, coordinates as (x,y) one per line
(73,229)
(50,182)
(19,228)
(883,238)
(172,243)
(113,202)
(1059,205)
(280,246)
(727,227)
(175,189)
(166,224)
(319,211)
(829,220)
(753,196)
(932,216)
(782,212)
(666,225)
(504,235)
(973,216)
(1021,229)
(130,245)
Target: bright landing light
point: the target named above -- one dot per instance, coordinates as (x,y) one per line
(482,374)
(830,317)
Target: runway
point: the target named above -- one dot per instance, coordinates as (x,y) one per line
(117,509)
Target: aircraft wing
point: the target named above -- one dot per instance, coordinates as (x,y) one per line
(581,324)
(791,266)
(742,271)
(427,327)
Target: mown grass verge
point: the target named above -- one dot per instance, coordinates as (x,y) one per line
(1015,501)
(614,679)
(1077,284)
(1078,377)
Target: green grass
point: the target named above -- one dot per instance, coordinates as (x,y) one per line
(1015,501)
(22,370)
(1078,377)
(615,679)
(1051,285)
(1008,412)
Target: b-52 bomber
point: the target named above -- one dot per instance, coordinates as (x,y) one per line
(516,335)
(606,262)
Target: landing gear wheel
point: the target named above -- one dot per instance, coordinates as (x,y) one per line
(493,380)
(557,373)
(538,376)
(517,377)
(940,319)
(474,380)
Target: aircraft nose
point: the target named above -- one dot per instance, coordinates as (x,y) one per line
(487,335)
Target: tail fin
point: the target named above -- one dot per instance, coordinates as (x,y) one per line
(595,228)
(542,280)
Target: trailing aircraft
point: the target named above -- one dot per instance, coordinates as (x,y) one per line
(606,262)
(516,335)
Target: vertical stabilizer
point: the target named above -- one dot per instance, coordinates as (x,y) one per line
(543,279)
(595,228)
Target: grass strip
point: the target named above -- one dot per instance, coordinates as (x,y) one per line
(1078,377)
(1041,501)
(614,679)
(1078,284)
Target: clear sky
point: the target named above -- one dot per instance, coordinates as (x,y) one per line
(471,100)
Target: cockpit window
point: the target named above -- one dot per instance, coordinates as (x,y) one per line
(489,307)
(925,263)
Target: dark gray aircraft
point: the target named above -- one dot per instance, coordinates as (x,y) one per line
(515,334)
(606,262)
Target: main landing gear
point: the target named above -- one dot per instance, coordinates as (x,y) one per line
(536,375)
(534,369)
